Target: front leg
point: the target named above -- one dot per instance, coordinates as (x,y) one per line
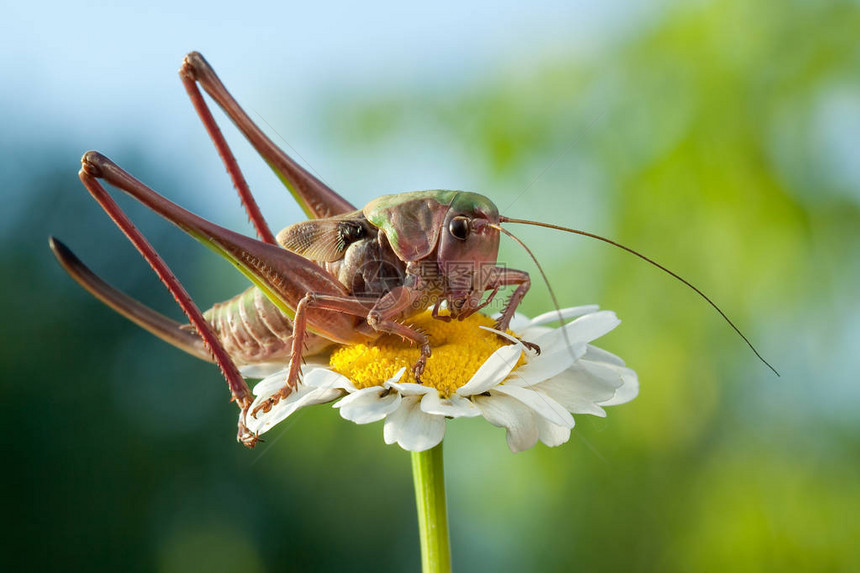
(467,313)
(435,313)
(395,304)
(503,276)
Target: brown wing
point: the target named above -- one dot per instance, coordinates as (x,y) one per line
(325,240)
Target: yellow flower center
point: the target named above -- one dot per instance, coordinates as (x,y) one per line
(459,349)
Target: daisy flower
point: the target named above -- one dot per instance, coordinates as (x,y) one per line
(473,371)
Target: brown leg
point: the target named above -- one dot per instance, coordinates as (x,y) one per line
(383,318)
(238,388)
(472,311)
(348,305)
(315,197)
(435,313)
(254,214)
(172,332)
(283,276)
(504,277)
(380,318)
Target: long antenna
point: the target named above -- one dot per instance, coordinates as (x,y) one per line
(648,260)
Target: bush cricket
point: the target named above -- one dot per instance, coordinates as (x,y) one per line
(344,276)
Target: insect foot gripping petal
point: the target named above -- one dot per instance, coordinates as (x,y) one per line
(245,436)
(294,374)
(507,338)
(502,325)
(288,388)
(270,402)
(530,345)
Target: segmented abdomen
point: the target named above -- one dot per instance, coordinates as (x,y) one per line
(253,330)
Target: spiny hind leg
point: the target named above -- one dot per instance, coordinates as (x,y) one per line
(91,171)
(187,73)
(315,197)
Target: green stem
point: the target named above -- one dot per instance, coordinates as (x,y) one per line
(429,476)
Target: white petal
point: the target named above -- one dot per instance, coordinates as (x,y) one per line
(586,386)
(301,397)
(396,378)
(579,332)
(555,341)
(587,328)
(325,378)
(629,388)
(543,367)
(516,341)
(275,381)
(622,378)
(599,355)
(452,407)
(518,321)
(410,388)
(413,429)
(492,372)
(552,434)
(271,384)
(534,332)
(322,396)
(576,393)
(511,414)
(405,388)
(611,374)
(262,370)
(566,314)
(540,403)
(368,404)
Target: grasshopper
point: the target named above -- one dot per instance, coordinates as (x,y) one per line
(345,276)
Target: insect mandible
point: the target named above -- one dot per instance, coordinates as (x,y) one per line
(345,276)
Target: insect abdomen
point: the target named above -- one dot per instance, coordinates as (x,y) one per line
(251,328)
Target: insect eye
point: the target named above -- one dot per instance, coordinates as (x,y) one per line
(459,227)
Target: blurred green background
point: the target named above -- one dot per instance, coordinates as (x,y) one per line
(720,137)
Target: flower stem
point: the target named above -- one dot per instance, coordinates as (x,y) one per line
(429,476)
